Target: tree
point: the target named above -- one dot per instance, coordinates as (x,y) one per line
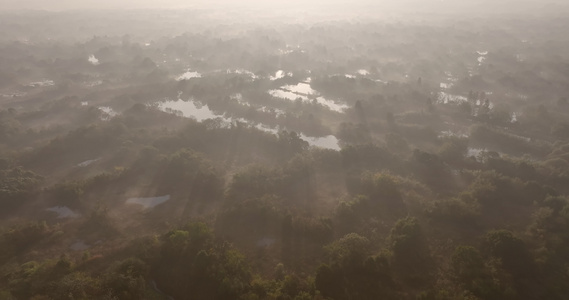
(291,143)
(352,274)
(411,255)
(453,150)
(469,270)
(16,186)
(512,252)
(350,249)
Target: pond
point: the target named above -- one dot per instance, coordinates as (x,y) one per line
(239,98)
(199,112)
(149,202)
(490,104)
(332,105)
(446,98)
(14,95)
(481,57)
(475,152)
(450,133)
(288,95)
(187,109)
(79,246)
(188,75)
(275,111)
(300,88)
(63,212)
(306,93)
(87,162)
(268,129)
(280,74)
(41,83)
(108,113)
(243,72)
(326,142)
(94,83)
(93,60)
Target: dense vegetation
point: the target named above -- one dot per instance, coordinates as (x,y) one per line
(437,192)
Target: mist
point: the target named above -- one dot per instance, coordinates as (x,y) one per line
(336,6)
(302,150)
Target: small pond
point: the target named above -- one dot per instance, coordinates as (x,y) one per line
(149,202)
(188,75)
(63,212)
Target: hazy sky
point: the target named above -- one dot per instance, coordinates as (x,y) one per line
(409,5)
(106,4)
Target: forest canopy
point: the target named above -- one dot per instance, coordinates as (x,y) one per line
(194,154)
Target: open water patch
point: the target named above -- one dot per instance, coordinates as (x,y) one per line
(63,212)
(187,109)
(108,113)
(87,162)
(149,202)
(188,75)
(93,60)
(79,246)
(305,93)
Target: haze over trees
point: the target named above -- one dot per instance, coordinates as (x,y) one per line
(202,153)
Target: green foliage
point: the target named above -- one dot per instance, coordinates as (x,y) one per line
(383,192)
(512,252)
(68,193)
(349,214)
(76,285)
(453,150)
(320,216)
(463,211)
(411,255)
(522,169)
(355,277)
(501,141)
(430,169)
(19,238)
(126,279)
(192,263)
(260,216)
(186,170)
(495,192)
(255,182)
(368,157)
(350,249)
(396,143)
(87,140)
(293,181)
(353,133)
(290,143)
(16,186)
(53,279)
(99,223)
(470,271)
